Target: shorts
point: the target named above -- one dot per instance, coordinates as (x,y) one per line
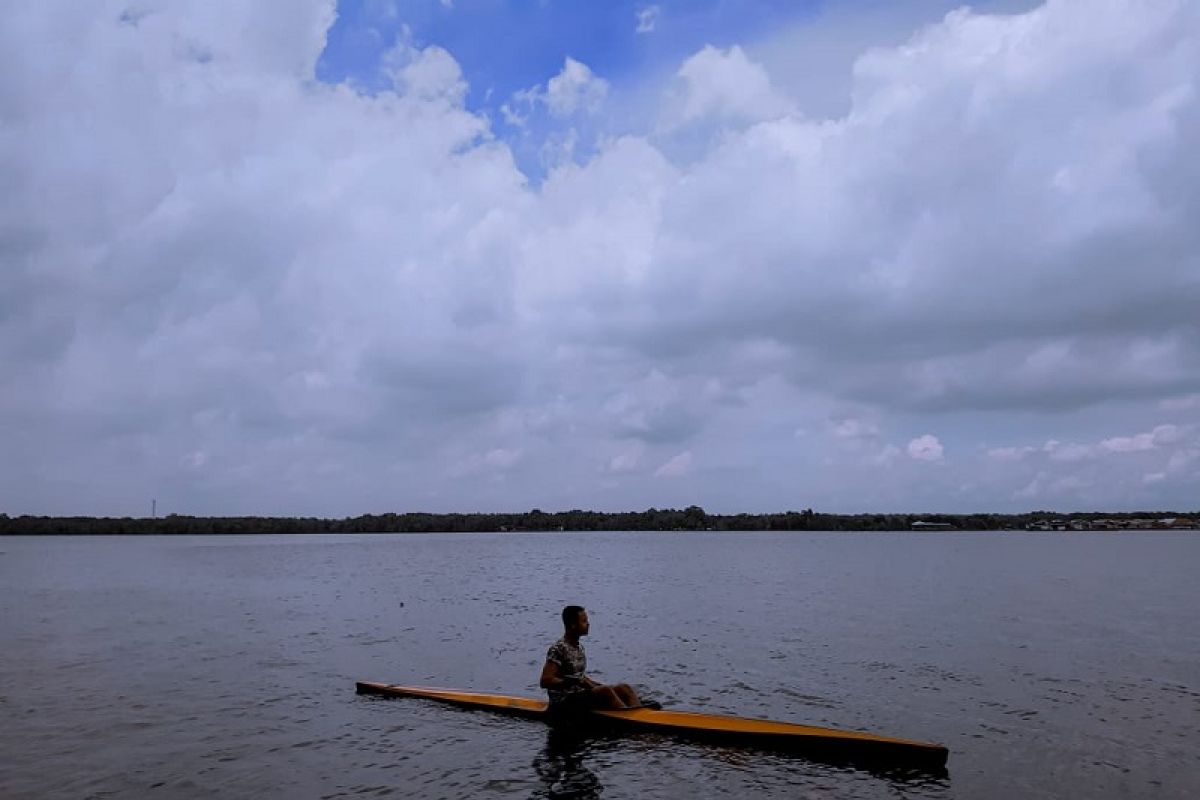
(575,701)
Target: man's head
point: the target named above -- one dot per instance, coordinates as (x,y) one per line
(575,620)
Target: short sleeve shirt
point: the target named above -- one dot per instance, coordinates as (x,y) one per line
(572,663)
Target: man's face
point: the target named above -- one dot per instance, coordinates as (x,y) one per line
(581,624)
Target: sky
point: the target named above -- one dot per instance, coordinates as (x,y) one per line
(298,257)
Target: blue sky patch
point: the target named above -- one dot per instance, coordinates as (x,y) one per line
(504,46)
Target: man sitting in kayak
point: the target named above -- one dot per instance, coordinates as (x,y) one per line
(564,678)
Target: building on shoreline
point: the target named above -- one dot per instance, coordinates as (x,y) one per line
(921,525)
(1104,524)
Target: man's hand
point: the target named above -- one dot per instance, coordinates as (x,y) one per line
(551,679)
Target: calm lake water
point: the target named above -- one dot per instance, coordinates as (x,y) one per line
(1052,665)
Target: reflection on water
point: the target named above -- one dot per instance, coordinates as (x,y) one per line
(893,770)
(560,767)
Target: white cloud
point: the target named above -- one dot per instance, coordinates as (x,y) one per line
(574,90)
(571,96)
(1161,435)
(925,448)
(332,294)
(1021,338)
(1139,470)
(512,116)
(726,84)
(676,466)
(429,73)
(647,19)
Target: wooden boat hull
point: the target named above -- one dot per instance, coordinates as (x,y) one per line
(741,731)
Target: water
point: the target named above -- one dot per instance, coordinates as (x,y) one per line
(1051,665)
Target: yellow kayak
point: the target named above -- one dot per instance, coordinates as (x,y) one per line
(712,727)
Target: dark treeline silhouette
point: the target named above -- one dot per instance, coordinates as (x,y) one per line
(692,518)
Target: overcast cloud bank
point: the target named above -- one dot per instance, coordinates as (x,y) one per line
(239,290)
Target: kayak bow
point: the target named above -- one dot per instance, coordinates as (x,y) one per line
(828,742)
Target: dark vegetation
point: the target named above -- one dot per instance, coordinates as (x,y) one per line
(692,518)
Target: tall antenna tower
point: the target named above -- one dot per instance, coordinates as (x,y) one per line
(154,509)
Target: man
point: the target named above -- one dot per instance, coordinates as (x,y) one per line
(564,675)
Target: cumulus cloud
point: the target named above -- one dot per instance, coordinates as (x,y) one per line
(260,268)
(955,226)
(254,291)
(427,73)
(1105,470)
(925,448)
(726,84)
(1161,436)
(574,90)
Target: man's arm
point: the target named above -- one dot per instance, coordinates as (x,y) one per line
(551,679)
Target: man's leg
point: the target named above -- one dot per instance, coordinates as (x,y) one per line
(628,696)
(632,700)
(608,697)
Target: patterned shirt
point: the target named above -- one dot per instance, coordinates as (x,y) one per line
(572,663)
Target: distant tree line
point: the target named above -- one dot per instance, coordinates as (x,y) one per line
(692,518)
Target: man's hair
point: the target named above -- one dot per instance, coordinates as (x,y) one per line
(570,614)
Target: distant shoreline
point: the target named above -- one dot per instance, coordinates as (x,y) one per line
(692,518)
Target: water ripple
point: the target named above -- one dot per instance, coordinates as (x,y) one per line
(224,666)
